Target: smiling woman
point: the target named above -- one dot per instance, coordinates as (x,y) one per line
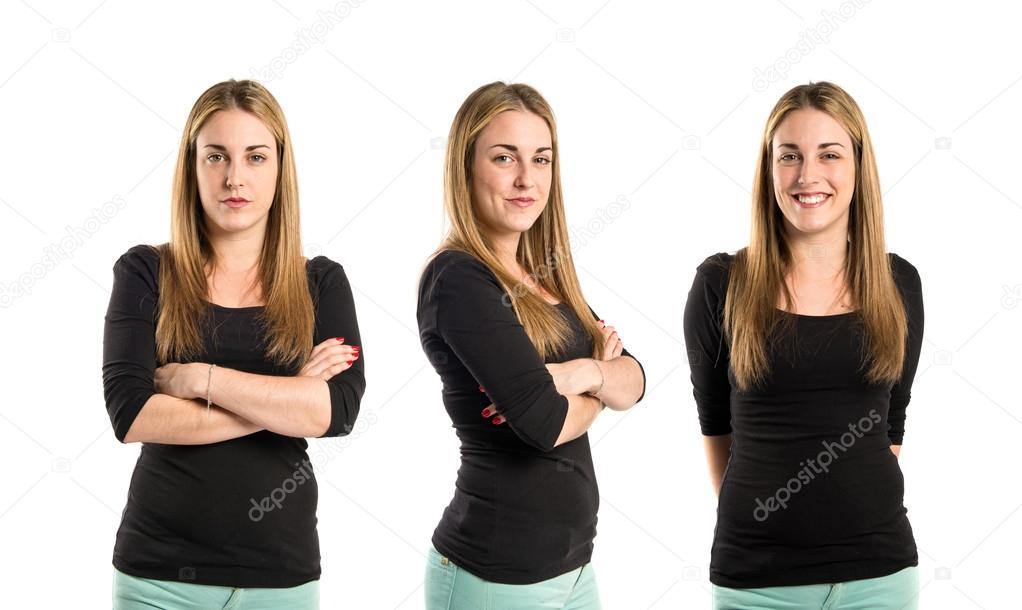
(222,350)
(808,339)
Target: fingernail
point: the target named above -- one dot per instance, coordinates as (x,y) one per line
(482,389)
(349,363)
(496,422)
(341,339)
(487,412)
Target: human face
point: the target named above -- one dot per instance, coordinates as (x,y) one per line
(236,168)
(511,174)
(813,173)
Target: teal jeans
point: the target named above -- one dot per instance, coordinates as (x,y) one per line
(134,593)
(898,591)
(449,587)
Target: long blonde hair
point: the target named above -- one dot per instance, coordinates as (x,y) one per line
(758,271)
(543,251)
(288,316)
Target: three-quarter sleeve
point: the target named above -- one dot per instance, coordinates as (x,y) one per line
(625,352)
(335,317)
(708,353)
(476,321)
(129,338)
(907,279)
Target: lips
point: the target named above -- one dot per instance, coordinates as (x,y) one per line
(810,200)
(521,202)
(236,202)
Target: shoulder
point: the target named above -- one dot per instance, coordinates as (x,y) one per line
(323,273)
(141,262)
(906,276)
(713,272)
(456,270)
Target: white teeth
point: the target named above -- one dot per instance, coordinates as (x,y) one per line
(814,199)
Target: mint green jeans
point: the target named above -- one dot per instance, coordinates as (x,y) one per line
(134,593)
(449,587)
(898,591)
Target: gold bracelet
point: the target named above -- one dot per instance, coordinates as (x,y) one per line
(602,379)
(209,388)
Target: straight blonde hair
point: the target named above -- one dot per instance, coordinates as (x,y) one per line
(544,250)
(757,275)
(288,316)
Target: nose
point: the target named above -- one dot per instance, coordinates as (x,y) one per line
(807,172)
(524,180)
(235,180)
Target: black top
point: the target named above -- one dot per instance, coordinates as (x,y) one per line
(241,512)
(523,510)
(812,493)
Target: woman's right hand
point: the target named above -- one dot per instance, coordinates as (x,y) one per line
(330,358)
(612,345)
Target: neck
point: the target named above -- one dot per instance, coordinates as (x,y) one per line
(237,253)
(817,254)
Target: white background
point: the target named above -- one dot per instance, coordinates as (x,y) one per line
(657,104)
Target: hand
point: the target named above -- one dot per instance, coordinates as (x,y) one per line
(330,358)
(490,411)
(186,381)
(612,345)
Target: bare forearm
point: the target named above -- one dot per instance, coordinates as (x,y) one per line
(718,452)
(176,421)
(622,383)
(896,450)
(291,406)
(582,412)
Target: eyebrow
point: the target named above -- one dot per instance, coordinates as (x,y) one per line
(223,148)
(824,145)
(514,148)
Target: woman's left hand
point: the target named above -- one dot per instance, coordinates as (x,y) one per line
(186,381)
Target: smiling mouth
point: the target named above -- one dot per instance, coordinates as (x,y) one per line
(810,200)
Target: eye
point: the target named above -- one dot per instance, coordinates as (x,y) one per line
(788,157)
(542,160)
(215,157)
(258,158)
(502,158)
(831,156)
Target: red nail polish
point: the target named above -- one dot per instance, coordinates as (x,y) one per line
(497,423)
(349,363)
(341,339)
(482,389)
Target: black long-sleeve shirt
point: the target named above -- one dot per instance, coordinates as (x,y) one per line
(236,513)
(812,493)
(523,510)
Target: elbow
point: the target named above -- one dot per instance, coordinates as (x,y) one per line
(339,417)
